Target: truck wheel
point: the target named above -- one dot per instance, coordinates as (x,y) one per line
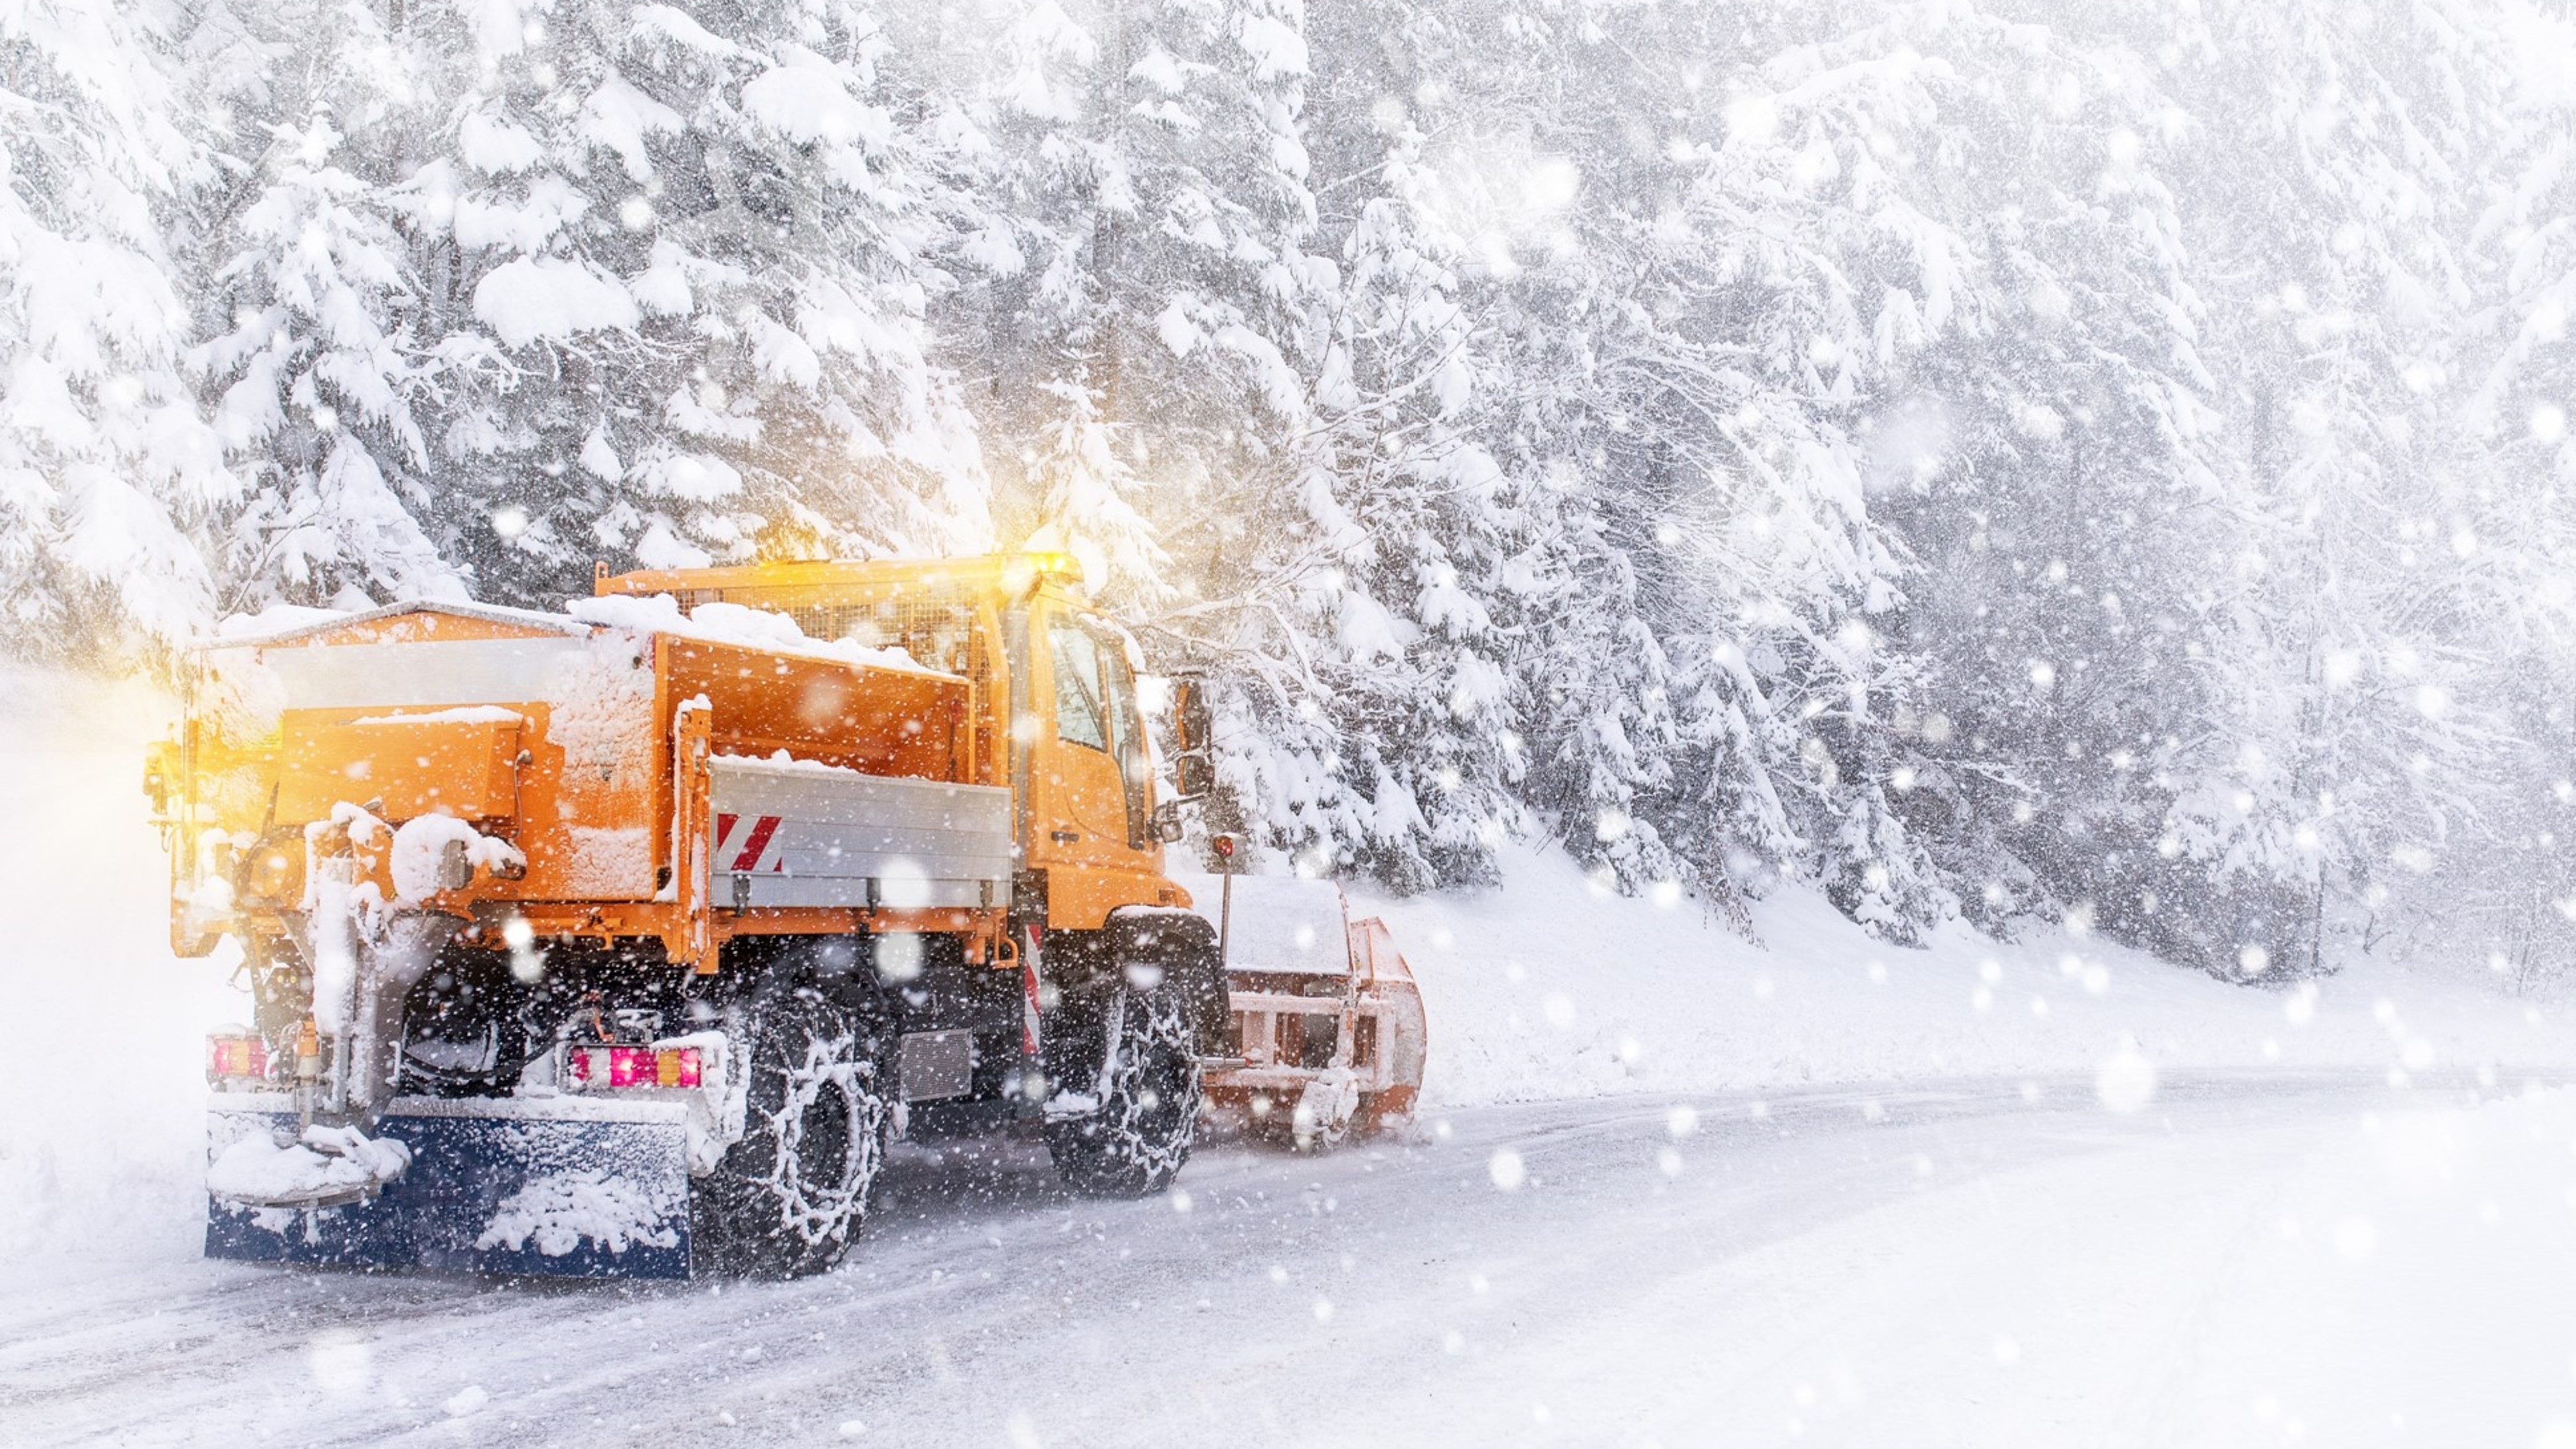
(1144,1076)
(787,1199)
(1147,1094)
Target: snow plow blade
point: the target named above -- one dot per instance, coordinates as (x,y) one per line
(1327,1021)
(578,1189)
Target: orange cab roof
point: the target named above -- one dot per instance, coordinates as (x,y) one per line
(1012,573)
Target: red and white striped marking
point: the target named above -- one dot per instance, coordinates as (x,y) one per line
(747,845)
(1029,997)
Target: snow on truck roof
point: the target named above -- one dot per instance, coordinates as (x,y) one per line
(1011,572)
(718,623)
(280,623)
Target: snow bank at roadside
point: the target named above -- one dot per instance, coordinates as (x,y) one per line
(2410,1276)
(1551,987)
(2385,1276)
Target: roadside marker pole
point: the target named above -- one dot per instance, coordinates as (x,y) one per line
(1225,895)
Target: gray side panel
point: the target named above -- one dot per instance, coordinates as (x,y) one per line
(795,835)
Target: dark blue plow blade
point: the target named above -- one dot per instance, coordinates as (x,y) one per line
(497,1187)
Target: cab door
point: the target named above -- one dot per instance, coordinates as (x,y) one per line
(1090,796)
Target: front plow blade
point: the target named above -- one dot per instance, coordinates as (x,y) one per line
(560,1187)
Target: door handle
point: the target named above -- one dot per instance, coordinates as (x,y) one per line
(1064,837)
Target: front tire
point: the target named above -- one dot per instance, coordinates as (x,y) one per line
(786,1199)
(1143,1073)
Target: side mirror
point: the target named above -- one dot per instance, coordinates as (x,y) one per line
(160,775)
(1193,730)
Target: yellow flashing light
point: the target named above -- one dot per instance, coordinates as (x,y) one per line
(1062,567)
(1031,567)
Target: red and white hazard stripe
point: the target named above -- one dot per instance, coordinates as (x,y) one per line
(1029,995)
(749,844)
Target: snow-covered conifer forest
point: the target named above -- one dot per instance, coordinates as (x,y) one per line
(2106,461)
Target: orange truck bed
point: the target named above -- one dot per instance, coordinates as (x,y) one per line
(624,771)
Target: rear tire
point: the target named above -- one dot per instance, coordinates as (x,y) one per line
(1143,1067)
(788,1197)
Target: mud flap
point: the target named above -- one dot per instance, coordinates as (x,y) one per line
(556,1187)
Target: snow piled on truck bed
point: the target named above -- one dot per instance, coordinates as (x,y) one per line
(723,623)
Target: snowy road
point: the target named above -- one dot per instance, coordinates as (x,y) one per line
(2318,1258)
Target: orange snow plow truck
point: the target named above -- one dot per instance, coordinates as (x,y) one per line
(621,941)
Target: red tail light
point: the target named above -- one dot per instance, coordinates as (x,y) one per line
(235,1058)
(613,1067)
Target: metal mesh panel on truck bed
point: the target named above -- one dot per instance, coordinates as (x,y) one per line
(940,633)
(937,630)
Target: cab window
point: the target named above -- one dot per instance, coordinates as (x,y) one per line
(1079,718)
(1135,766)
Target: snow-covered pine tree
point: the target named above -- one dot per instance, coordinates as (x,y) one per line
(2045,461)
(522,286)
(1702,563)
(691,243)
(109,477)
(2520,382)
(1143,307)
(1805,283)
(1139,294)
(1423,688)
(2364,630)
(1364,623)
(320,355)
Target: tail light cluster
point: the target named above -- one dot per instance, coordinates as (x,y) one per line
(591,1068)
(233,1057)
(240,1058)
